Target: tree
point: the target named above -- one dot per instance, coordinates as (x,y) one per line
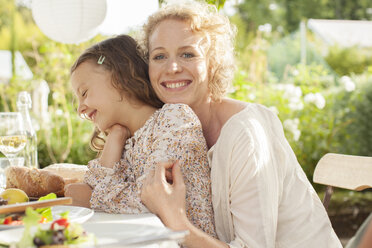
(289,13)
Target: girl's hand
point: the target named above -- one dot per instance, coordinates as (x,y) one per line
(167,200)
(118,131)
(80,193)
(114,145)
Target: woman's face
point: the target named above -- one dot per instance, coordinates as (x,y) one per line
(178,64)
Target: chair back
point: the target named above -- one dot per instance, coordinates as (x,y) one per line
(343,171)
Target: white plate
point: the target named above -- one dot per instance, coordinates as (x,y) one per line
(76,214)
(106,234)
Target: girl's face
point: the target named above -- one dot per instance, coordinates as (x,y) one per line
(178,65)
(99,101)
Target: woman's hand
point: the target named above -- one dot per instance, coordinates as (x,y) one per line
(165,199)
(164,194)
(80,193)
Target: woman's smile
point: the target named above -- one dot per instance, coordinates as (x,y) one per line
(176,84)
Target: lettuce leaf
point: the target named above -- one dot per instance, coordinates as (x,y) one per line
(31,219)
(46,212)
(49,196)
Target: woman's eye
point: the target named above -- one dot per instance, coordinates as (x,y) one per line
(187,55)
(158,57)
(84,93)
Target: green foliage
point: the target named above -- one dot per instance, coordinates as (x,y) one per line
(287,14)
(5,14)
(219,3)
(357,136)
(255,13)
(319,113)
(349,202)
(346,61)
(255,59)
(285,53)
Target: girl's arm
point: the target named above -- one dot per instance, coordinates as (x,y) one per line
(114,145)
(113,190)
(80,193)
(168,202)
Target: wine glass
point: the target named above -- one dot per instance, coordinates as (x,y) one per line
(12,135)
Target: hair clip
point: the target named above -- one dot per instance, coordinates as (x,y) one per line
(101,59)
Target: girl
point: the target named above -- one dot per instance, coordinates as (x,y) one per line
(111,82)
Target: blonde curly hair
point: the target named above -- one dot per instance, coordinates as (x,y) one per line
(220,33)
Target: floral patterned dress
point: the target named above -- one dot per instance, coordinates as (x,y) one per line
(172,133)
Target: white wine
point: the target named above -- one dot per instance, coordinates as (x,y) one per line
(11,145)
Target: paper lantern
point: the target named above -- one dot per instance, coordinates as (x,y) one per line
(69,21)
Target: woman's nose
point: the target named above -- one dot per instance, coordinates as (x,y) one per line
(174,66)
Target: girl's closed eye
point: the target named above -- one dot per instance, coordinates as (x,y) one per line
(84,93)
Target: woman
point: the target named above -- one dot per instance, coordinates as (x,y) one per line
(261,196)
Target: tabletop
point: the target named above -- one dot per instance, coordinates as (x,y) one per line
(146,218)
(113,230)
(131,230)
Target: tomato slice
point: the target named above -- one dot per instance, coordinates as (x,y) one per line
(8,220)
(57,224)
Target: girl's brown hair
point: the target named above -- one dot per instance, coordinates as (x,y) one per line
(129,73)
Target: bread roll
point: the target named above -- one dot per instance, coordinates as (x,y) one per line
(69,172)
(34,182)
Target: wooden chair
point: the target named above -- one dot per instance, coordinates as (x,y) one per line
(343,171)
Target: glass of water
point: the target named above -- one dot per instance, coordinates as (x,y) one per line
(4,163)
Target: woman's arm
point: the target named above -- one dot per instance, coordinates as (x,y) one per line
(114,145)
(168,202)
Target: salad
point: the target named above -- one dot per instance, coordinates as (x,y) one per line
(16,219)
(60,232)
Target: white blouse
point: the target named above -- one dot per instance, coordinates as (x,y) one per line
(261,196)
